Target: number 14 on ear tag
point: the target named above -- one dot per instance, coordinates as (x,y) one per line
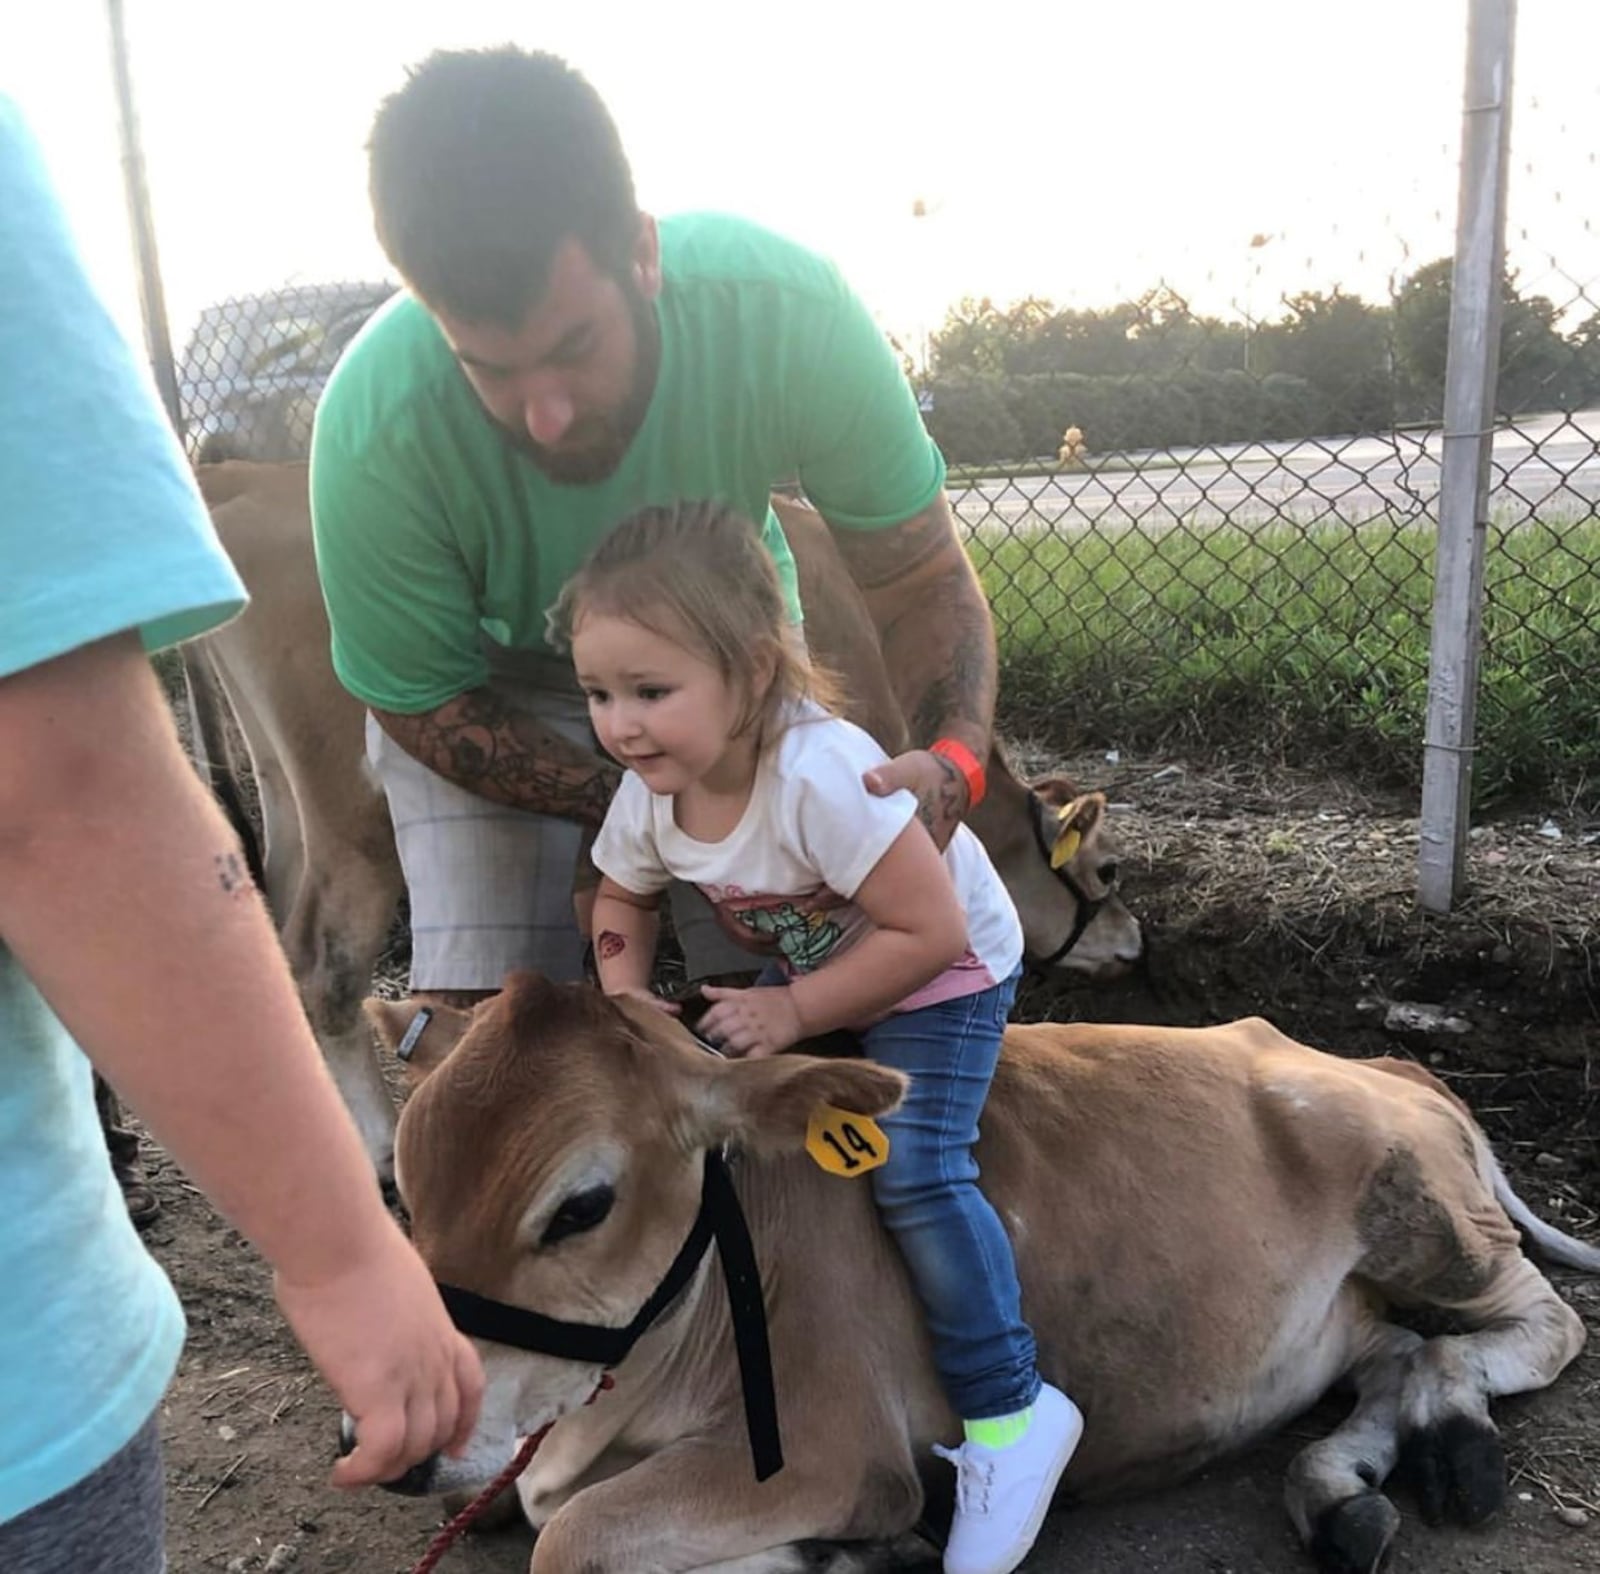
(845,1143)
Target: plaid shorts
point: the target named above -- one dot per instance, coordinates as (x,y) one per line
(491,888)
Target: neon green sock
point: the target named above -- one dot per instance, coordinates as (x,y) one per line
(998,1431)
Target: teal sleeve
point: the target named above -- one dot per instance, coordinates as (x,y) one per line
(400,598)
(101,528)
(866,459)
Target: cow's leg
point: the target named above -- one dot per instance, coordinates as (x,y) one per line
(1525,1336)
(284,853)
(908,1555)
(333,938)
(569,1461)
(1333,1489)
(780,1560)
(1435,1236)
(696,1507)
(332,885)
(903,1555)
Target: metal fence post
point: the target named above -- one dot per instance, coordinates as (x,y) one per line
(1470,374)
(152,301)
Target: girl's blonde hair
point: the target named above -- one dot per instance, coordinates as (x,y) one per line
(698,575)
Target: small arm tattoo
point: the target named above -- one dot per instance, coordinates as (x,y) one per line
(610,945)
(232,875)
(941,809)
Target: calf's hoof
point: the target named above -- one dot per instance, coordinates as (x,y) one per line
(1353,1537)
(1458,1469)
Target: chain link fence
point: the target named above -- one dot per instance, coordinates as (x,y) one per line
(1219,526)
(1210,518)
(254,366)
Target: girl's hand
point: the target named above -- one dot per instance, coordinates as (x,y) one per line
(649,997)
(754,1022)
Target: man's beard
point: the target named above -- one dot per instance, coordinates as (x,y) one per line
(593,447)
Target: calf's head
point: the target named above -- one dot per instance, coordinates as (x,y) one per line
(554,1161)
(1052,847)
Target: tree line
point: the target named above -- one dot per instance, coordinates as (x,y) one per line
(1004,382)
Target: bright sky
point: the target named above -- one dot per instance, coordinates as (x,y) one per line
(1077,152)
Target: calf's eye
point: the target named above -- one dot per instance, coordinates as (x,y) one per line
(582,1211)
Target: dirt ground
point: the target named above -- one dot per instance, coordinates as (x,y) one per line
(1262,892)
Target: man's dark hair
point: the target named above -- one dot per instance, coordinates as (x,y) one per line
(482,165)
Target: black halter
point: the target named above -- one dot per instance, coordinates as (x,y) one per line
(721,1219)
(1088,905)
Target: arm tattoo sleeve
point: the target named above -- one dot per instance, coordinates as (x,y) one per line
(484,743)
(958,688)
(878,559)
(933,623)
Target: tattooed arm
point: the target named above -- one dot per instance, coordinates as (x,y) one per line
(938,644)
(484,743)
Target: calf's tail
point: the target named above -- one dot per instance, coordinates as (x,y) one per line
(1553,1244)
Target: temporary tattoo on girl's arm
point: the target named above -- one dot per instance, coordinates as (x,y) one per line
(609,945)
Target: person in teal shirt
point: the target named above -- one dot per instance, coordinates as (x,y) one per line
(559,361)
(130,935)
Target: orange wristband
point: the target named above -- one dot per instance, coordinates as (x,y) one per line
(965,761)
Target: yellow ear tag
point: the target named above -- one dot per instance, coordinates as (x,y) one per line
(845,1143)
(1067,843)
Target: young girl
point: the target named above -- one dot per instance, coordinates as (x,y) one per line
(741,782)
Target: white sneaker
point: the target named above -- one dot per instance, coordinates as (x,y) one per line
(1002,1493)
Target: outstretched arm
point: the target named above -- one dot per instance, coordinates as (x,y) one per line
(124,897)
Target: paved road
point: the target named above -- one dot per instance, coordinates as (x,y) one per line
(1548,467)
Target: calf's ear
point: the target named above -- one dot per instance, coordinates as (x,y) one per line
(766,1105)
(1077,816)
(420,1042)
(1055,790)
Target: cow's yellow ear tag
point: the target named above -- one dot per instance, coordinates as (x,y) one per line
(845,1143)
(1067,843)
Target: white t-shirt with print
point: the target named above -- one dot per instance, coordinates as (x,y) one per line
(783,882)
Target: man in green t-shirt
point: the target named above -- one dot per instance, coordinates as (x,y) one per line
(560,360)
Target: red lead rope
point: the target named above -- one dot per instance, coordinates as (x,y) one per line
(469,1516)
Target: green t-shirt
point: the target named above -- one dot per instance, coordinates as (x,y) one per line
(434,532)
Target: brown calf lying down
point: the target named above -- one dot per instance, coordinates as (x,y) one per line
(1209,1223)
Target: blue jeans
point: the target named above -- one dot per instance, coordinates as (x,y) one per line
(951,1238)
